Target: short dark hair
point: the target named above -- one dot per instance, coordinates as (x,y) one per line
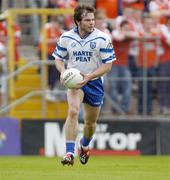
(80,10)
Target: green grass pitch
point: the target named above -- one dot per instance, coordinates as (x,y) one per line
(98,168)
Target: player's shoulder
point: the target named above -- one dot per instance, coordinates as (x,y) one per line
(99,33)
(69,33)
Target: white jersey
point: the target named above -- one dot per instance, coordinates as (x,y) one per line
(85,54)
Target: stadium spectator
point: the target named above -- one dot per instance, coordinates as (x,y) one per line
(35,28)
(53,31)
(3,72)
(101,21)
(136,24)
(120,75)
(164,70)
(160,9)
(76,46)
(136,4)
(17,37)
(147,63)
(3,60)
(113,8)
(64,4)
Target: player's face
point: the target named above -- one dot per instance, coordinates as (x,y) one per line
(86,25)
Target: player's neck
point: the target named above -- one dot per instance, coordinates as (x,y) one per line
(83,34)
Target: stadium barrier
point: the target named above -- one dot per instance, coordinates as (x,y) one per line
(41,92)
(111,138)
(11,15)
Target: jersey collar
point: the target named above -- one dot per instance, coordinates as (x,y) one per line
(75,29)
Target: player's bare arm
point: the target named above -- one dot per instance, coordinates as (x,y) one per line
(104,68)
(60,67)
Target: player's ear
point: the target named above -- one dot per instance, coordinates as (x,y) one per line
(78,23)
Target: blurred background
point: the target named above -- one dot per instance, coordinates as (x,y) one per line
(136,107)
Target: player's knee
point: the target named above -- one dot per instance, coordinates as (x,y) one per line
(90,124)
(73,112)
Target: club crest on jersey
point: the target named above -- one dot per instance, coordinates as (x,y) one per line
(93,45)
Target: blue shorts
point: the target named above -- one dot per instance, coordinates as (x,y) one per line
(93,92)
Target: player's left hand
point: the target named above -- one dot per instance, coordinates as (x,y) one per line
(86,78)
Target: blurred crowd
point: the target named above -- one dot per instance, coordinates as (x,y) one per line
(140,32)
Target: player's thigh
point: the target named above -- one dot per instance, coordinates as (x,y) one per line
(91,113)
(74,97)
